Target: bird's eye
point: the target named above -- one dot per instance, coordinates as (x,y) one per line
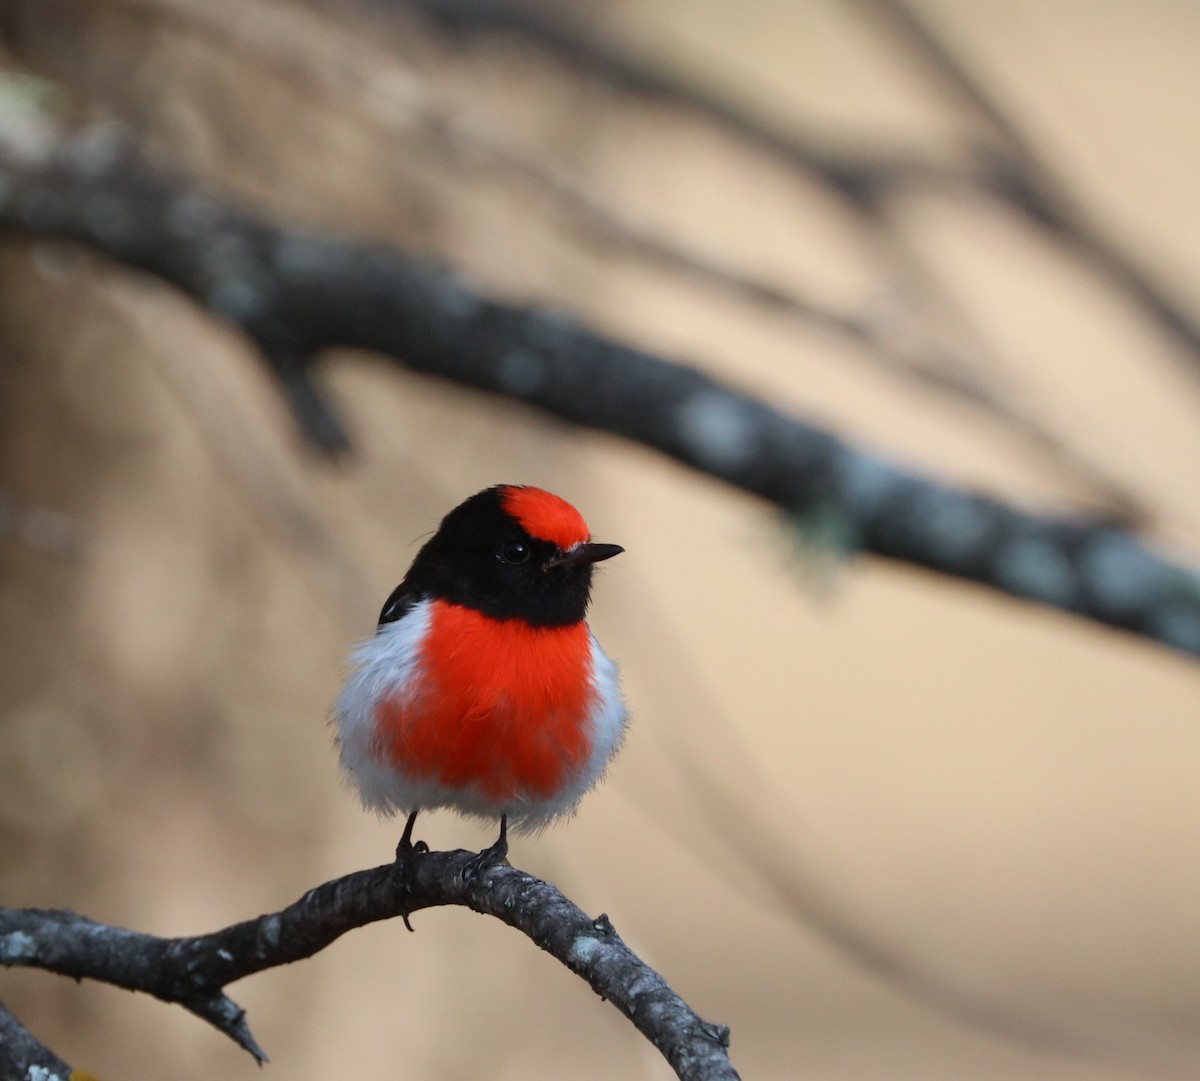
(513,552)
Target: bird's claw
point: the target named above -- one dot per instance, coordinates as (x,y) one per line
(405,851)
(484,861)
(490,856)
(413,848)
(407,847)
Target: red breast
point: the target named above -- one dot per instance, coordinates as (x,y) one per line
(501,704)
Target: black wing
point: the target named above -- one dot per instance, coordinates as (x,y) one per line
(402,601)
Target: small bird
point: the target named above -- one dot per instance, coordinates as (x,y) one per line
(483,689)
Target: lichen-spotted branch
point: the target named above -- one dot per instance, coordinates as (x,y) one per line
(297,293)
(194,971)
(23,1057)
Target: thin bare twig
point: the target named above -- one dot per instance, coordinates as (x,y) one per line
(1011,167)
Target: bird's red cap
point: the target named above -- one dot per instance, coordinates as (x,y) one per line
(545,516)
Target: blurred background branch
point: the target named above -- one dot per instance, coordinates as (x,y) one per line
(1004,163)
(298,294)
(902,336)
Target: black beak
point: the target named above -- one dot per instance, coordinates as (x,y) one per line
(583,554)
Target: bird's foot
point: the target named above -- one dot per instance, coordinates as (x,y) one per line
(406,850)
(490,856)
(407,847)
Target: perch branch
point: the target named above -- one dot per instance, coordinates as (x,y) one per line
(194,971)
(23,1057)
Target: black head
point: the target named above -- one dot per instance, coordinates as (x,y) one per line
(510,552)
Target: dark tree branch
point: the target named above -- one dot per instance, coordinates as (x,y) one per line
(23,1057)
(863,183)
(297,293)
(309,47)
(1005,164)
(194,971)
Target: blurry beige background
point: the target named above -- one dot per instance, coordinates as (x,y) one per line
(882,824)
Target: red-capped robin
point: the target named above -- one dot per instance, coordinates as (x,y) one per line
(483,689)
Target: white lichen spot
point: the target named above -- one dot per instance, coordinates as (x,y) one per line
(25,136)
(644,984)
(864,482)
(550,326)
(955,526)
(653,1010)
(716,429)
(270,930)
(1032,567)
(229,1010)
(16,946)
(42,1073)
(1179,625)
(1120,574)
(585,949)
(192,215)
(227,253)
(299,255)
(235,298)
(97,149)
(456,300)
(521,372)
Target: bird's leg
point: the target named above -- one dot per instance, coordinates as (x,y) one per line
(405,850)
(489,857)
(499,850)
(406,847)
